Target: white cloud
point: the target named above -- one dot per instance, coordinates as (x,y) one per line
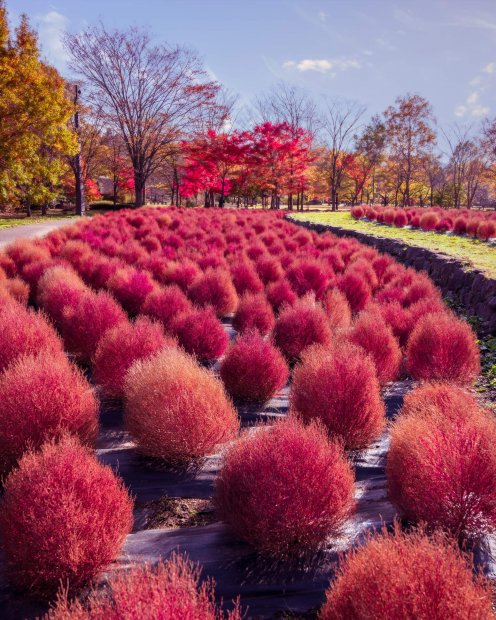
(323,65)
(52,26)
(490,67)
(472,107)
(472,98)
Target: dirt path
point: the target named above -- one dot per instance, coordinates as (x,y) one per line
(28,231)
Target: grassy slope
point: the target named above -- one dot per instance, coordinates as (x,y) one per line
(10,222)
(473,253)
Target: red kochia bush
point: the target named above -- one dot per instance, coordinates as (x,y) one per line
(421,578)
(59,287)
(24,332)
(17,289)
(64,518)
(285,488)
(130,287)
(166,303)
(280,293)
(441,469)
(86,321)
(175,409)
(169,590)
(254,312)
(299,326)
(42,397)
(307,276)
(215,288)
(253,369)
(370,332)
(428,221)
(443,348)
(400,219)
(339,387)
(356,289)
(486,230)
(245,278)
(121,346)
(200,333)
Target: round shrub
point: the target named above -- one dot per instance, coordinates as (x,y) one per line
(120,347)
(421,577)
(245,278)
(254,312)
(339,387)
(43,397)
(460,225)
(357,212)
(215,288)
(176,410)
(370,332)
(400,219)
(280,293)
(200,333)
(356,289)
(168,590)
(85,322)
(299,326)
(25,332)
(130,287)
(17,289)
(166,303)
(441,470)
(443,348)
(486,230)
(253,369)
(285,488)
(337,309)
(445,398)
(428,221)
(64,518)
(58,287)
(306,276)
(269,269)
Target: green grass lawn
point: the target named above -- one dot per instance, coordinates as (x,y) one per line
(472,252)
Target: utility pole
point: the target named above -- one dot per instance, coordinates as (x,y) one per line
(80,206)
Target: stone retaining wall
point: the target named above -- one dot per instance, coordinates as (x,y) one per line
(475,291)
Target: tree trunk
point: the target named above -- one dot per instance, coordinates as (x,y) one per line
(28,207)
(44,208)
(290,202)
(139,189)
(79,188)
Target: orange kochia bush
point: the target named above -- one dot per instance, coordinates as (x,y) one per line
(175,409)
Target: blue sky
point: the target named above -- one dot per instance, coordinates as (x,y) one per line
(369,51)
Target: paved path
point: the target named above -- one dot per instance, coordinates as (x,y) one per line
(27,231)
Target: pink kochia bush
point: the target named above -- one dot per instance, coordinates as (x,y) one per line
(215,288)
(280,294)
(121,346)
(24,332)
(175,409)
(85,322)
(43,397)
(285,488)
(421,577)
(200,333)
(339,387)
(254,312)
(370,332)
(253,369)
(167,591)
(64,518)
(337,309)
(443,348)
(164,304)
(441,467)
(299,326)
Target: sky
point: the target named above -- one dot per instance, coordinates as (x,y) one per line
(368,51)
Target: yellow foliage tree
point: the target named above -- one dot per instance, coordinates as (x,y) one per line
(34,117)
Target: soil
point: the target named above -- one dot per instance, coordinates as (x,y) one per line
(175,512)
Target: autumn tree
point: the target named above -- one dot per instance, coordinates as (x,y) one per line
(34,120)
(289,104)
(410,137)
(341,121)
(369,147)
(148,93)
